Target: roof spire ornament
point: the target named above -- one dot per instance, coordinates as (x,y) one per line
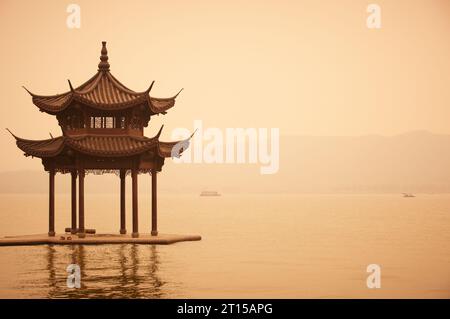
(103,65)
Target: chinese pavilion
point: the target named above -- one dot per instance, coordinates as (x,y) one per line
(102,123)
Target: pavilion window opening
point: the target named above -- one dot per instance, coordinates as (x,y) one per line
(107,122)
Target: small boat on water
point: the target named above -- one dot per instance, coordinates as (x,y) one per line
(210,193)
(408,195)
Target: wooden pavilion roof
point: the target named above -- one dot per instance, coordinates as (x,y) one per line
(103,92)
(101,145)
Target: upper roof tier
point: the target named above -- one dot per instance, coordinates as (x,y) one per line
(103,92)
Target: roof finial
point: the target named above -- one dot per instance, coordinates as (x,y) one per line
(70,85)
(178,92)
(103,65)
(150,87)
(160,131)
(28,91)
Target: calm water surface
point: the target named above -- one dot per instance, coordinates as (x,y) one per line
(253,246)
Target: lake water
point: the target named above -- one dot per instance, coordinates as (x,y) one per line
(253,246)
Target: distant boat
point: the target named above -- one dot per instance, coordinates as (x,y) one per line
(408,195)
(209,193)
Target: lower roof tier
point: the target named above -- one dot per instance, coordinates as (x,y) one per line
(101,145)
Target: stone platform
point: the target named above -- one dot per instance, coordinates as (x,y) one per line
(97,239)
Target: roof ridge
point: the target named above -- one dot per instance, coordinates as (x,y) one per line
(46,96)
(119,84)
(93,82)
(27,140)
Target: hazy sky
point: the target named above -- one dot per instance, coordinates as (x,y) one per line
(308,67)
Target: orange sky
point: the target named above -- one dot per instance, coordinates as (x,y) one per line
(308,67)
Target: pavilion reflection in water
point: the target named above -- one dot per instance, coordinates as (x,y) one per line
(133,271)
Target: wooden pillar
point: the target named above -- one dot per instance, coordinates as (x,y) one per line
(154,205)
(134,187)
(74,202)
(81,231)
(123,229)
(51,203)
